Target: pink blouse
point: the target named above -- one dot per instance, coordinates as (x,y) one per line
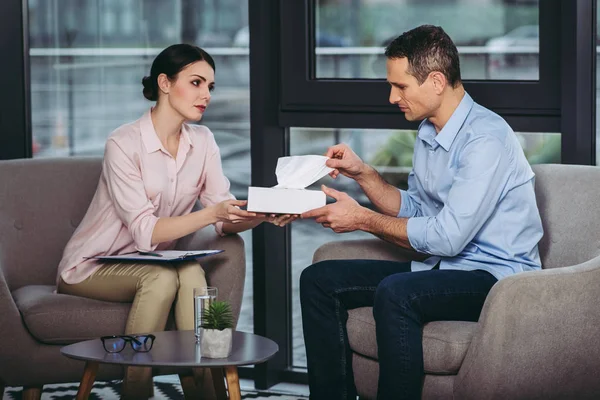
(140,183)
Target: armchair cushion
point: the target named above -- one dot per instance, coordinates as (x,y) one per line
(63,319)
(445,343)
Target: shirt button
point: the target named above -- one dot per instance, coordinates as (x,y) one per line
(172,180)
(170,204)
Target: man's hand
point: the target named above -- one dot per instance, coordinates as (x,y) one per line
(345,161)
(345,215)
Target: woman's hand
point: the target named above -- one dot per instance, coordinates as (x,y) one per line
(229,211)
(281,220)
(250,222)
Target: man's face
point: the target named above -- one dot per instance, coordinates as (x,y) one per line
(417,102)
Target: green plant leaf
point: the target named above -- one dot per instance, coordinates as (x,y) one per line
(218,316)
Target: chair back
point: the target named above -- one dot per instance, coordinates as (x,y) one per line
(567,197)
(42,201)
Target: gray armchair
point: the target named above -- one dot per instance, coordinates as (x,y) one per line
(537,336)
(41,203)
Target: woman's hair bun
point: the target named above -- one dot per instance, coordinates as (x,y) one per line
(150,89)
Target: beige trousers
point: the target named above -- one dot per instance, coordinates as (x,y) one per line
(152,288)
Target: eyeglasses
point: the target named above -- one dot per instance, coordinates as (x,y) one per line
(116,343)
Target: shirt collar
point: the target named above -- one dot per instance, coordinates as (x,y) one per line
(185,135)
(456,121)
(150,138)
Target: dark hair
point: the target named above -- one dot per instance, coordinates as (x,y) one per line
(170,62)
(428,48)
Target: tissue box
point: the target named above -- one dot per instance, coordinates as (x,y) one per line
(284,201)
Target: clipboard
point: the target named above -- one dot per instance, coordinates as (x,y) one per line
(158,256)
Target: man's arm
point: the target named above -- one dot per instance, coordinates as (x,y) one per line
(482,174)
(390,229)
(383,195)
(346,215)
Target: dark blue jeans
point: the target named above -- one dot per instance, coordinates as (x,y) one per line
(402,301)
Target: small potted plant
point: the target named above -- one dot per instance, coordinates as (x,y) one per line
(217,326)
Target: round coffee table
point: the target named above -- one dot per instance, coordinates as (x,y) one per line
(174,349)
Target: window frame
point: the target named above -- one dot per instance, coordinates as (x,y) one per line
(302,92)
(15,107)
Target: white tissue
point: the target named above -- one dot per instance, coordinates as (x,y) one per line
(298,172)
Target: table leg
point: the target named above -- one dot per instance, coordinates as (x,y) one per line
(190,387)
(32,393)
(233,382)
(218,377)
(87,381)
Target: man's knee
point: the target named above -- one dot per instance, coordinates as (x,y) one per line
(392,290)
(316,273)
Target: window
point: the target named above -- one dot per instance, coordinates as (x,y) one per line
(87,61)
(345,39)
(495,39)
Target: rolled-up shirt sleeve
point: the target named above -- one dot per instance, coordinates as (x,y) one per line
(410,203)
(476,189)
(126,190)
(216,185)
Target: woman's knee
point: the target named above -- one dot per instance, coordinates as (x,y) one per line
(191,274)
(162,279)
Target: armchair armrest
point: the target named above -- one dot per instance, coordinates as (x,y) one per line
(538,338)
(16,340)
(227,270)
(371,249)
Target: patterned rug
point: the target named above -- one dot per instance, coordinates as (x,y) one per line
(110,390)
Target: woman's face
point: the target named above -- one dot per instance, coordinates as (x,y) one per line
(189,93)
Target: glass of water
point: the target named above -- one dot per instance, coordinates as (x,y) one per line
(203,298)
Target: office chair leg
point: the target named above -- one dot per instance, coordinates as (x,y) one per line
(32,392)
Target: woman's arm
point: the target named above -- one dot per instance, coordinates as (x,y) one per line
(227,212)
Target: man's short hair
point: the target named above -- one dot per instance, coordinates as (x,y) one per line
(428,48)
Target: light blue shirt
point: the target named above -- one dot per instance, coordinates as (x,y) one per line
(470,198)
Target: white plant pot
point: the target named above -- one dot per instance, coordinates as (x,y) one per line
(215,343)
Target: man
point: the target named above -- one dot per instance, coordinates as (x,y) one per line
(470,205)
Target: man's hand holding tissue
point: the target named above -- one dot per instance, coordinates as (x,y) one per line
(384,196)
(345,162)
(345,215)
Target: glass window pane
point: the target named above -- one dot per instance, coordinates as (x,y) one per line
(88,58)
(390,152)
(496,39)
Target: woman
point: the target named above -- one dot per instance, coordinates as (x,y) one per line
(153,172)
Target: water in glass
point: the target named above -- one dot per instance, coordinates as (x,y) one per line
(203,298)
